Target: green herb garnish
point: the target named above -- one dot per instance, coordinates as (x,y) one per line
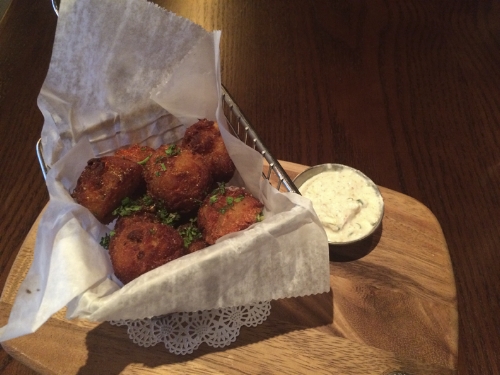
(172,150)
(142,162)
(190,233)
(106,239)
(167,218)
(147,200)
(127,207)
(219,190)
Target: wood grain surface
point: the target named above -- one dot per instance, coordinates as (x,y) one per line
(405,91)
(392,307)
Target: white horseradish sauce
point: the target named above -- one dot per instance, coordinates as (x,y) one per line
(347,203)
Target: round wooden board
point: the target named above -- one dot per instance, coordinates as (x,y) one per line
(391,308)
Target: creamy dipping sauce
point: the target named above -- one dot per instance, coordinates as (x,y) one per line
(347,203)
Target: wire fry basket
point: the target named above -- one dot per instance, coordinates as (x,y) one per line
(183,333)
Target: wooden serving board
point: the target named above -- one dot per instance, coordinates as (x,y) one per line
(391,309)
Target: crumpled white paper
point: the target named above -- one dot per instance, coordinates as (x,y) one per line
(125,72)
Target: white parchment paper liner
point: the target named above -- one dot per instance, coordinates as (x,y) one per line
(103,91)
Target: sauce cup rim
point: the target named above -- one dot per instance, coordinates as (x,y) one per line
(312,171)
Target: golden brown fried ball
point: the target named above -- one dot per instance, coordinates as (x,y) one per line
(104,183)
(204,138)
(227,210)
(135,152)
(141,243)
(178,177)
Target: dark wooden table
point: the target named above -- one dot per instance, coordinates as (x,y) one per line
(408,92)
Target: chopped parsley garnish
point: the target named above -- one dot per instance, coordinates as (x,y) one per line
(220,190)
(167,218)
(190,233)
(106,239)
(148,204)
(128,207)
(142,162)
(173,150)
(147,200)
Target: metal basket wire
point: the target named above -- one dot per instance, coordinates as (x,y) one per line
(242,129)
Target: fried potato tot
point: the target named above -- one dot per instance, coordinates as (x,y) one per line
(135,152)
(104,183)
(204,138)
(227,210)
(178,177)
(142,243)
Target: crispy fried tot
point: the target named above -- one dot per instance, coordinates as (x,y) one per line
(142,243)
(204,138)
(104,183)
(178,177)
(227,210)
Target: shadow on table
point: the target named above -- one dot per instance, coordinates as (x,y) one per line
(110,350)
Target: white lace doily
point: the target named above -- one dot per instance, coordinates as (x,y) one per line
(182,333)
